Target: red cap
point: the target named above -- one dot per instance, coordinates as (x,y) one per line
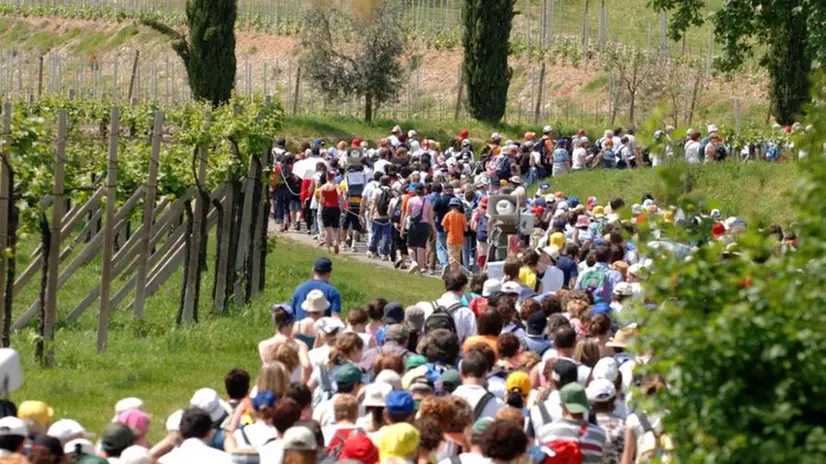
(530,135)
(483,202)
(580,132)
(718,229)
(360,448)
(356,143)
(464,134)
(537,210)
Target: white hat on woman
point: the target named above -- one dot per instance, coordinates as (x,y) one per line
(315,302)
(375,394)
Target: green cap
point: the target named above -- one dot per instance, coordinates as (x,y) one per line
(574,398)
(450,380)
(480,426)
(414,361)
(117,436)
(92,460)
(348,374)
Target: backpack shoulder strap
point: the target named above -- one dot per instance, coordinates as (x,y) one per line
(326,386)
(244,436)
(455,460)
(544,413)
(480,406)
(453,307)
(645,423)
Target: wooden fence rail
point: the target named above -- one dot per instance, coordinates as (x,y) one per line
(170,230)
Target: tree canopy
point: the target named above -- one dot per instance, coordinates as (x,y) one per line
(790,32)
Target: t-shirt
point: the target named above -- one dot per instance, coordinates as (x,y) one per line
(552,405)
(473,394)
(552,280)
(568,268)
(614,427)
(633,422)
(254,435)
(569,430)
(468,458)
(561,160)
(330,293)
(692,152)
(272,452)
(527,278)
(454,224)
(580,156)
(415,204)
(489,340)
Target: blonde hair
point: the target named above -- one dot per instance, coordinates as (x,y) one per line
(286,354)
(345,407)
(273,376)
(577,309)
(345,345)
(587,352)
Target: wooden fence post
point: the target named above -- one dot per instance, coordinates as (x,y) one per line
(148,206)
(109,230)
(54,247)
(459,94)
(132,80)
(194,268)
(222,267)
(246,217)
(297,89)
(536,110)
(5,198)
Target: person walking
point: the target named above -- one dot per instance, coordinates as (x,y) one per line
(417,224)
(380,224)
(329,198)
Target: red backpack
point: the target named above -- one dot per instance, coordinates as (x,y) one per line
(566,451)
(337,442)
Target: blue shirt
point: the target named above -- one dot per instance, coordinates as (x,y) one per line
(569,270)
(330,293)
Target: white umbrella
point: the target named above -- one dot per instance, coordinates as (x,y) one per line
(306,168)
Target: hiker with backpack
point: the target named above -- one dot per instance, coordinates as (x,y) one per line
(474,371)
(449,312)
(417,223)
(380,224)
(645,440)
(600,279)
(572,438)
(602,397)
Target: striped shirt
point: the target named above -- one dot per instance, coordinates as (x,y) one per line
(592,442)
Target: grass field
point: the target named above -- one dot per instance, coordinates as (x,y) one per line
(757,191)
(163,364)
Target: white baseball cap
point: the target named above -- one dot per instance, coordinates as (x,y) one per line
(299,439)
(173,422)
(328,325)
(496,136)
(600,390)
(411,133)
(623,289)
(11,425)
(547,129)
(512,288)
(85,446)
(208,400)
(551,251)
(66,430)
(606,368)
(490,286)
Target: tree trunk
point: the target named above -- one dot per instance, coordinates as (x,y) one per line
(256,202)
(368,108)
(187,251)
(235,232)
(14,221)
(632,106)
(695,95)
(46,245)
(219,233)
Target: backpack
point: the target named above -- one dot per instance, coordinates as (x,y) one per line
(542,147)
(703,144)
(396,208)
(480,406)
(337,442)
(654,447)
(566,451)
(414,219)
(482,229)
(503,168)
(383,203)
(525,161)
(594,281)
(441,318)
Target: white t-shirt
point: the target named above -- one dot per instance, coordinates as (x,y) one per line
(469,458)
(633,421)
(553,279)
(272,452)
(580,156)
(536,158)
(554,407)
(256,435)
(380,165)
(319,355)
(473,393)
(692,152)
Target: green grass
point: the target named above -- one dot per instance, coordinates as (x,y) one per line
(757,191)
(163,364)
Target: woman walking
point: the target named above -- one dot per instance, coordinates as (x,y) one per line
(417,223)
(329,198)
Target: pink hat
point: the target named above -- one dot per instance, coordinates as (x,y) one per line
(136,420)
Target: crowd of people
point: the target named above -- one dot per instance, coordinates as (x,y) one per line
(527,356)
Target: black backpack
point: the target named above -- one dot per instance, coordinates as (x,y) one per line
(503,168)
(441,318)
(396,215)
(383,203)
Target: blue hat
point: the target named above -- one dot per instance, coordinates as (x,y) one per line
(287,309)
(393,314)
(560,223)
(601,308)
(412,186)
(561,143)
(264,398)
(540,202)
(447,187)
(319,142)
(545,186)
(323,266)
(399,403)
(455,202)
(573,201)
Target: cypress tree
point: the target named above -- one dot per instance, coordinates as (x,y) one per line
(209,53)
(486,40)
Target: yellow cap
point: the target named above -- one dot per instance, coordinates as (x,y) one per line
(518,381)
(35,413)
(398,441)
(668,216)
(558,240)
(598,211)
